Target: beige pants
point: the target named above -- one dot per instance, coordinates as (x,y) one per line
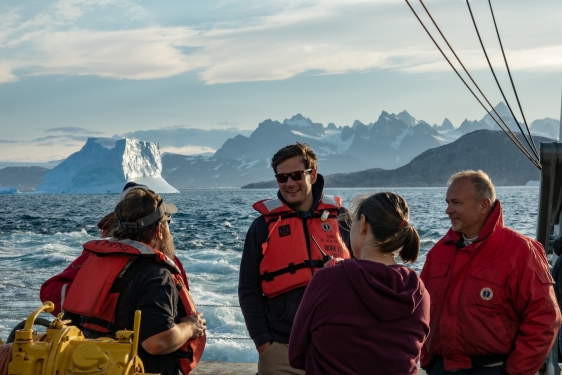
(275,360)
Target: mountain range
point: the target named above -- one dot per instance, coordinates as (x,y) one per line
(390,143)
(488,150)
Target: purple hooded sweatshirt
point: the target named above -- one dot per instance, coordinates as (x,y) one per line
(361,317)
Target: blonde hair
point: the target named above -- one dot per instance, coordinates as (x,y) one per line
(482,183)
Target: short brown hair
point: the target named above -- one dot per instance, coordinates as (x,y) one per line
(481,181)
(387,215)
(137,204)
(290,151)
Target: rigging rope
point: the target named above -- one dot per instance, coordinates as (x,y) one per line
(530,143)
(511,136)
(509,72)
(5,358)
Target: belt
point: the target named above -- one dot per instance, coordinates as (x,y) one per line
(481,361)
(487,360)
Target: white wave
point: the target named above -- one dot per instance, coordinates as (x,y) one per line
(230,350)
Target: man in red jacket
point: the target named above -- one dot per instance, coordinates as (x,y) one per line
(493,309)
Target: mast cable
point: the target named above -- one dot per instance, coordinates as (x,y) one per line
(530,143)
(475,84)
(511,136)
(509,72)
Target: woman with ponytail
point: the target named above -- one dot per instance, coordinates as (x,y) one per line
(367,315)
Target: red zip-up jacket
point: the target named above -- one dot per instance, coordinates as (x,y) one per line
(494,296)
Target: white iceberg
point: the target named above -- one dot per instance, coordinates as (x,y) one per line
(105,165)
(8,190)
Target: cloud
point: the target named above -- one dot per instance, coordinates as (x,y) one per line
(41,149)
(272,40)
(73,129)
(181,137)
(61,138)
(188,150)
(227,123)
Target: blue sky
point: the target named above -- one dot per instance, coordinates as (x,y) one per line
(206,70)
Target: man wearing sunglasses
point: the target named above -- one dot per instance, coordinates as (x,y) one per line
(297,233)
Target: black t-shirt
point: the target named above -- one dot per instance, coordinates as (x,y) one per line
(153,292)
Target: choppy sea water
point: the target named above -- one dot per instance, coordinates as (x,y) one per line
(41,234)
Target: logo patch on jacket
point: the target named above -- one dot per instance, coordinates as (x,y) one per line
(486,294)
(284,230)
(326,227)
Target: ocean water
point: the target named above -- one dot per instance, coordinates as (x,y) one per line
(41,234)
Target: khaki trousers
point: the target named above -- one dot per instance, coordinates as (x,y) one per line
(275,360)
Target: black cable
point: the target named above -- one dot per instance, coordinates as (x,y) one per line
(475,84)
(530,143)
(511,136)
(510,78)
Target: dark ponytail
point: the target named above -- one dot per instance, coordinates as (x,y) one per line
(387,215)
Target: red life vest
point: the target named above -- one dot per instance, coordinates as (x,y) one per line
(298,243)
(93,293)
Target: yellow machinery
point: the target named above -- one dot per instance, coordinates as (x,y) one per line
(63,349)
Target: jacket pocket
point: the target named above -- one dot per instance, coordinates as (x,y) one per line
(485,287)
(437,282)
(545,277)
(484,327)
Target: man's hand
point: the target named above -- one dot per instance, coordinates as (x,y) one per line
(197,324)
(263,347)
(189,327)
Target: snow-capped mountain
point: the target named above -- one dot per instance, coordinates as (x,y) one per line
(392,141)
(546,127)
(105,165)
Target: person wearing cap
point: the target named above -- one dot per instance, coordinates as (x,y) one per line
(56,287)
(148,282)
(493,309)
(295,235)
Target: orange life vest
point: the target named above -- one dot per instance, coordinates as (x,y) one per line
(298,243)
(94,294)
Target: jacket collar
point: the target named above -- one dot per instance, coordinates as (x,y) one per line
(493,223)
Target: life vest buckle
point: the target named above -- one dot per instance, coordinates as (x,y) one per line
(292,269)
(267,277)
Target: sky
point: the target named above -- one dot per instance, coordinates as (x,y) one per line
(199,72)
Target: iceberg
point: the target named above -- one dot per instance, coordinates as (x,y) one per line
(8,190)
(105,165)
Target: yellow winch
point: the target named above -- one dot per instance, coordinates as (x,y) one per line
(63,349)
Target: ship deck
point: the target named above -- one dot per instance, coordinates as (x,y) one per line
(234,368)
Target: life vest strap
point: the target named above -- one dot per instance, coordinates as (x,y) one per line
(96,326)
(185,354)
(292,268)
(302,215)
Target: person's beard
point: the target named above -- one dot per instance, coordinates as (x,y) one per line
(166,246)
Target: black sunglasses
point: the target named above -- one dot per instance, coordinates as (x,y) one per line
(295,176)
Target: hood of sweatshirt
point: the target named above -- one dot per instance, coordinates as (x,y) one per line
(388,292)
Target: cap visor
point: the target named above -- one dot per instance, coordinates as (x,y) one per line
(170,208)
